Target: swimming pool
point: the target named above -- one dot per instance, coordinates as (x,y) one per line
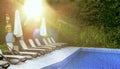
(90,58)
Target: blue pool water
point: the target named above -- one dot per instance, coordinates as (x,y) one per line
(90,59)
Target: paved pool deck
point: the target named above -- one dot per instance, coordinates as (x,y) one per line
(46,60)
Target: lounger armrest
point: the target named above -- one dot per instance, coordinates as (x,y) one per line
(38,53)
(10,60)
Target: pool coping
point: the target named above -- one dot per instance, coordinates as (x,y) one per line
(61,64)
(103,50)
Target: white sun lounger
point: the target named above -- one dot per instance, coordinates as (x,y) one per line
(56,44)
(48,46)
(14,51)
(11,60)
(32,44)
(4,64)
(46,43)
(53,41)
(25,48)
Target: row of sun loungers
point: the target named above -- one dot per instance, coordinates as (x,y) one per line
(35,49)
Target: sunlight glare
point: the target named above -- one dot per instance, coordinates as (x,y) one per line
(33,8)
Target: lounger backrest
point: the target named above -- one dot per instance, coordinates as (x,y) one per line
(31,43)
(53,40)
(37,42)
(10,46)
(44,40)
(23,44)
(1,51)
(49,40)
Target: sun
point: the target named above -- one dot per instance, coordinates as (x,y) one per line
(33,8)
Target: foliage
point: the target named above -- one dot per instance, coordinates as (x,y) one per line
(3,47)
(109,14)
(90,22)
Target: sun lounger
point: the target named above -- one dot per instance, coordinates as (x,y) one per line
(10,60)
(25,48)
(32,44)
(4,64)
(53,41)
(48,46)
(13,59)
(56,44)
(15,51)
(46,43)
